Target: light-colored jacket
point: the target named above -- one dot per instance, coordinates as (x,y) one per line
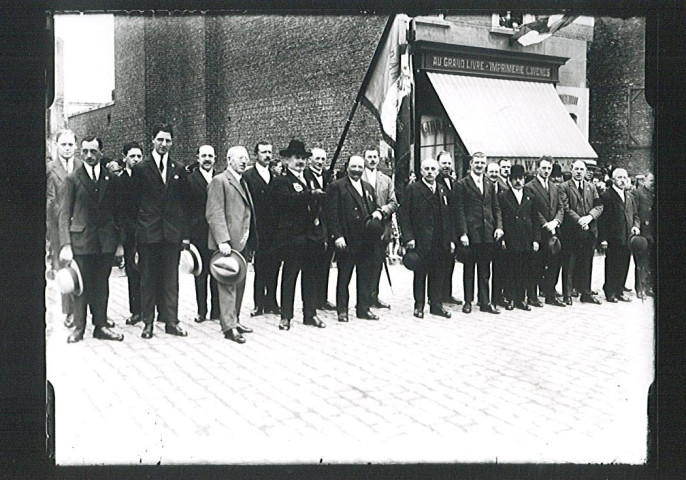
(230,214)
(385,196)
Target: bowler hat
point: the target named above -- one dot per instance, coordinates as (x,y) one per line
(638,244)
(463,253)
(69,279)
(295,147)
(228,269)
(373,226)
(557,170)
(412,260)
(517,170)
(554,245)
(190,261)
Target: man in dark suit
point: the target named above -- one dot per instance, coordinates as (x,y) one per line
(198,182)
(89,235)
(504,174)
(522,238)
(445,178)
(300,232)
(618,222)
(231,218)
(427,226)
(349,201)
(160,196)
(266,262)
(132,155)
(644,197)
(385,195)
(548,220)
(318,178)
(498,260)
(56,172)
(582,207)
(479,226)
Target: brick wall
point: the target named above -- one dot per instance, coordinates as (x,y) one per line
(616,61)
(97,122)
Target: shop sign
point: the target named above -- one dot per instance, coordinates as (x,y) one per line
(491,67)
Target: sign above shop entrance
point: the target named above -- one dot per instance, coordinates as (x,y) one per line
(490,63)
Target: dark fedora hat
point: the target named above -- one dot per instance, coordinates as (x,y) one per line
(462,253)
(228,269)
(638,244)
(412,260)
(373,226)
(517,170)
(557,170)
(554,245)
(190,261)
(295,147)
(69,279)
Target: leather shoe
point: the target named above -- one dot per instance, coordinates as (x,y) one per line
(314,322)
(69,320)
(343,317)
(329,306)
(285,324)
(380,304)
(242,328)
(640,295)
(199,319)
(489,308)
(175,329)
(257,312)
(509,306)
(235,335)
(554,302)
(453,301)
(440,312)
(104,333)
(134,319)
(109,323)
(418,312)
(626,290)
(367,315)
(568,301)
(522,306)
(535,302)
(76,336)
(611,299)
(585,298)
(575,293)
(147,331)
(467,307)
(623,298)
(594,292)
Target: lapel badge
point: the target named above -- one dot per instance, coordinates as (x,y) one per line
(176,177)
(316,222)
(298,188)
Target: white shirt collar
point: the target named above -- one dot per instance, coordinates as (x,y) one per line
(263,171)
(298,175)
(236,175)
(93,169)
(129,171)
(357,184)
(518,194)
(371,175)
(543,181)
(68,164)
(156,156)
(206,174)
(619,191)
(431,187)
(478,179)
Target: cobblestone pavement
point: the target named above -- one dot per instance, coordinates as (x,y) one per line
(550,385)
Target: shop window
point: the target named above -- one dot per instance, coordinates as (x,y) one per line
(509,21)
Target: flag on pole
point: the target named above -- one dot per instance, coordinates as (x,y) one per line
(539,30)
(391,78)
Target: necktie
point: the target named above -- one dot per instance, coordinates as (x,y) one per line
(93,177)
(546,186)
(162,168)
(581,187)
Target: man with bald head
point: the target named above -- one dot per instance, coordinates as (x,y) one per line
(231,218)
(427,227)
(583,207)
(198,182)
(618,222)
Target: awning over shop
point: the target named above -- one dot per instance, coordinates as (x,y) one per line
(510,118)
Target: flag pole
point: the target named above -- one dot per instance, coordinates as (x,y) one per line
(360,93)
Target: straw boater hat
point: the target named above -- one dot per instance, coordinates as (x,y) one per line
(295,147)
(229,269)
(190,261)
(69,279)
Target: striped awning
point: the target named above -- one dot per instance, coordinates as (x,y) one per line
(510,118)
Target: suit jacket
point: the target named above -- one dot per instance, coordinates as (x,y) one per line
(478,215)
(519,220)
(502,185)
(643,199)
(160,208)
(300,211)
(230,214)
(88,218)
(266,214)
(547,205)
(197,201)
(346,211)
(309,178)
(128,210)
(385,194)
(618,217)
(577,205)
(55,175)
(417,219)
